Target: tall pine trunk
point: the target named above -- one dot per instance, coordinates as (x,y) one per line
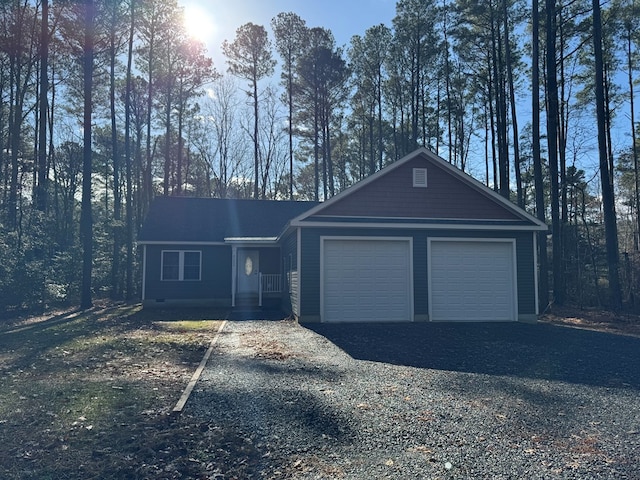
(543,278)
(608,199)
(41,189)
(512,101)
(256,150)
(634,146)
(86,219)
(128,159)
(115,152)
(552,142)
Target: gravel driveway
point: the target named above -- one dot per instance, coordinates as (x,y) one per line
(425,400)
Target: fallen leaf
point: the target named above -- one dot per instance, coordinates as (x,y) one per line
(421,449)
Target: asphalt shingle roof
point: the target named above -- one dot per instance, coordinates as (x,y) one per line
(187,219)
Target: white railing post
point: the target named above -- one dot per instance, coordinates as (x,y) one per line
(260,289)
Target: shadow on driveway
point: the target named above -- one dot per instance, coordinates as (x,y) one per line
(540,351)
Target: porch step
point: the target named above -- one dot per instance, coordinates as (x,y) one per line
(247,301)
(239,314)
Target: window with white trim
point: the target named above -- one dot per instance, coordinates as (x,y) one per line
(181,265)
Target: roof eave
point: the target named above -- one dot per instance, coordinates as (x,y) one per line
(420,226)
(251,240)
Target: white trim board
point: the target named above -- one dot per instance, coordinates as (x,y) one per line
(174,242)
(418,226)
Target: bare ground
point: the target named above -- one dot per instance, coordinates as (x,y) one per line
(594,319)
(89,394)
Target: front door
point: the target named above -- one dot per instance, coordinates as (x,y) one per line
(248,272)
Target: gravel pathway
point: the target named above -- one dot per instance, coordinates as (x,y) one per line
(425,401)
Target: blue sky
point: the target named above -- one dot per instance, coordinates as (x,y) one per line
(217,20)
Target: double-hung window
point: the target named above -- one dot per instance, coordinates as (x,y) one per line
(181,265)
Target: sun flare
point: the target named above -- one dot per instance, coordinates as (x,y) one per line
(198,23)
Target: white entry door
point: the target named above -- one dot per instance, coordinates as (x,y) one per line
(248,271)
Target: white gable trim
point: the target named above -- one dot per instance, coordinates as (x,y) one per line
(271,241)
(419,226)
(177,242)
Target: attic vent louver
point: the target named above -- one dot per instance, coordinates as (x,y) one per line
(420,177)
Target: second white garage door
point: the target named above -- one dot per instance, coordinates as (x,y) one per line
(366,280)
(472,280)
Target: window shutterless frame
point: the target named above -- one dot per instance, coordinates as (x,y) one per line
(181,265)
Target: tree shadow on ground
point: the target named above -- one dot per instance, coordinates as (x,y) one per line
(531,351)
(86,394)
(32,341)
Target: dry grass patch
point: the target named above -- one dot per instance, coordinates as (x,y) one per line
(266,349)
(88,395)
(594,319)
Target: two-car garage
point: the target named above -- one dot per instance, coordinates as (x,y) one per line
(366,279)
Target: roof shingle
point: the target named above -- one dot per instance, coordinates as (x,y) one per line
(188,219)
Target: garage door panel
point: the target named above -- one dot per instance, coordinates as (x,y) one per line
(472,280)
(366,280)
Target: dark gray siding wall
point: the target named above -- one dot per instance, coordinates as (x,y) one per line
(289,264)
(270,259)
(289,250)
(526,274)
(310,271)
(215,283)
(420,277)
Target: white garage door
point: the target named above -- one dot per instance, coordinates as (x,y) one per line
(366,280)
(472,280)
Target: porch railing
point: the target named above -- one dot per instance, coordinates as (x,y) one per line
(271,282)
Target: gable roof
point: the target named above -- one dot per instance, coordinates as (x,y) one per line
(212,220)
(452,198)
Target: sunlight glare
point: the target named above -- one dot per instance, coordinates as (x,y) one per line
(198,23)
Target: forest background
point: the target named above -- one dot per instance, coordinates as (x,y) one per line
(109,103)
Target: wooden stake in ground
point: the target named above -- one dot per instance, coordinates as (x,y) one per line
(196,375)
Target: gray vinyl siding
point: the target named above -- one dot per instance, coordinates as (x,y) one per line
(310,273)
(270,259)
(526,274)
(214,284)
(289,248)
(290,264)
(420,277)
